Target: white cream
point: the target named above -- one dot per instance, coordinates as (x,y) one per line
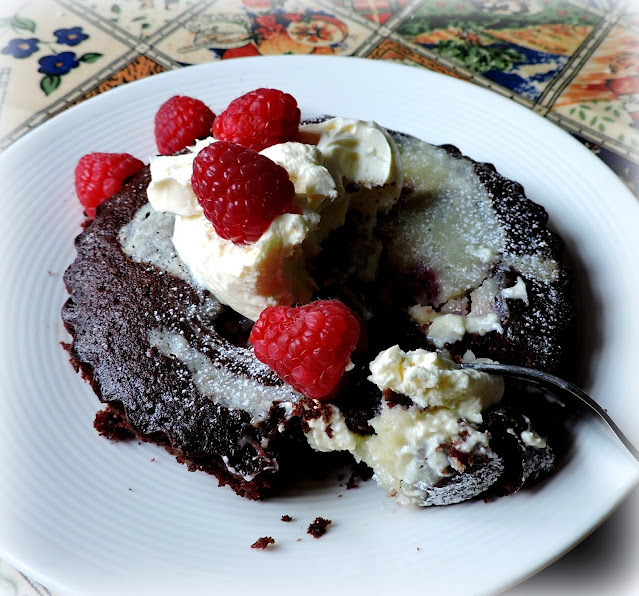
(170,189)
(445,327)
(359,154)
(516,292)
(406,450)
(449,328)
(304,164)
(431,381)
(249,277)
(272,271)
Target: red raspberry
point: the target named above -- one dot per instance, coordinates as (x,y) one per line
(259,119)
(179,122)
(310,346)
(99,176)
(241,191)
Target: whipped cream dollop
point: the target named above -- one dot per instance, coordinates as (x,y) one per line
(432,381)
(362,157)
(409,448)
(273,270)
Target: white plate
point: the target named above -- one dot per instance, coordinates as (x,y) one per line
(82,514)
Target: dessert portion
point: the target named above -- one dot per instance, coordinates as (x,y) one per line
(281,291)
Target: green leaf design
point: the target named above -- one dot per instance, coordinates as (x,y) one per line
(90,57)
(22,24)
(479,58)
(50,83)
(447,14)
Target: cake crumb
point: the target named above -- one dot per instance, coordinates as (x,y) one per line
(263,542)
(287,518)
(318,527)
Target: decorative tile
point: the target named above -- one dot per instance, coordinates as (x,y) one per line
(602,100)
(139,68)
(262,27)
(395,52)
(376,11)
(141,18)
(520,45)
(49,52)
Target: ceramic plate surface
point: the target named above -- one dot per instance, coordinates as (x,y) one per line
(84,515)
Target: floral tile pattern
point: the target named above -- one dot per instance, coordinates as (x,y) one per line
(604,96)
(141,19)
(49,53)
(254,28)
(376,11)
(139,68)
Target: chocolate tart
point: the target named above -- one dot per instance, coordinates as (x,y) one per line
(173,366)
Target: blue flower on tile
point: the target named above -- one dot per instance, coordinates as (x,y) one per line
(58,64)
(70,37)
(21,48)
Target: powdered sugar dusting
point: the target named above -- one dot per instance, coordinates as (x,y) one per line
(147,239)
(448,205)
(228,374)
(218,381)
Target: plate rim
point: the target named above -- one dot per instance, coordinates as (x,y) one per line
(48,127)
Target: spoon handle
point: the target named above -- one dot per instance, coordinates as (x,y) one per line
(557,386)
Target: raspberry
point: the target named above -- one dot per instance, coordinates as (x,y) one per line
(259,119)
(99,176)
(241,191)
(179,122)
(309,346)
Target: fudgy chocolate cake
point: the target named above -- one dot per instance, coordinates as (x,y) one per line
(459,266)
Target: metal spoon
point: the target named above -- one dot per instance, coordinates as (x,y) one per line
(558,387)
